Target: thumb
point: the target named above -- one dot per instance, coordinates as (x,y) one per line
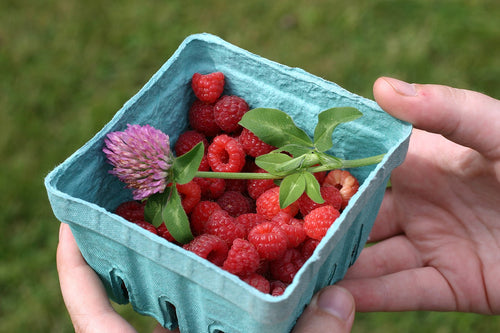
(330,310)
(465,117)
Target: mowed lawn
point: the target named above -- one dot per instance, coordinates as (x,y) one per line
(67,66)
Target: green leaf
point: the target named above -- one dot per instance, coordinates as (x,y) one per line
(274,127)
(154,207)
(294,150)
(271,161)
(328,120)
(291,188)
(176,219)
(186,165)
(313,188)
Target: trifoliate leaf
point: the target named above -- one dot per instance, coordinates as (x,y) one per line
(271,161)
(154,206)
(291,189)
(328,120)
(313,188)
(274,127)
(176,219)
(186,165)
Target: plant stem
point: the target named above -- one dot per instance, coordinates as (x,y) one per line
(251,175)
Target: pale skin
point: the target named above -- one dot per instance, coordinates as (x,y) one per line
(437,233)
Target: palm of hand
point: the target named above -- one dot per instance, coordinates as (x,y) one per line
(439,238)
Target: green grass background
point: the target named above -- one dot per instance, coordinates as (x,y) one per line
(66,66)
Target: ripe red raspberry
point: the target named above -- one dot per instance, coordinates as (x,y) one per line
(131,210)
(250,220)
(211,188)
(285,268)
(292,227)
(269,240)
(163,232)
(239,185)
(200,215)
(234,203)
(209,247)
(255,187)
(330,194)
(225,154)
(258,282)
(188,140)
(277,288)
(228,111)
(221,224)
(242,258)
(208,87)
(252,145)
(317,222)
(268,204)
(146,225)
(201,118)
(308,246)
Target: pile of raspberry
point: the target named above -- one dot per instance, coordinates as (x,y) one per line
(238,224)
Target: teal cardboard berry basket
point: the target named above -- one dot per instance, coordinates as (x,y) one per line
(175,286)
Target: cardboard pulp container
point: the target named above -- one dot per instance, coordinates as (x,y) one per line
(175,286)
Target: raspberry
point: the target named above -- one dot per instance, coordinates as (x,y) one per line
(252,145)
(228,111)
(208,87)
(330,194)
(221,224)
(255,187)
(258,282)
(190,195)
(239,185)
(234,203)
(201,118)
(268,204)
(131,210)
(277,288)
(269,240)
(211,188)
(242,258)
(188,140)
(285,268)
(200,215)
(250,220)
(163,232)
(292,227)
(317,222)
(146,225)
(225,154)
(345,182)
(209,247)
(308,247)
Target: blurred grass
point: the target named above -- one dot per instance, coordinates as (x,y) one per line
(67,66)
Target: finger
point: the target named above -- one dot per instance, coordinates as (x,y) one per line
(83,292)
(386,225)
(466,117)
(331,310)
(389,256)
(415,289)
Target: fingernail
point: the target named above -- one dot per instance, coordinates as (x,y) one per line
(401,87)
(336,301)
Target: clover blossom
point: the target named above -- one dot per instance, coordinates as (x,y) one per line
(141,157)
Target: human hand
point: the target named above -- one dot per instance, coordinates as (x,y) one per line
(438,229)
(84,295)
